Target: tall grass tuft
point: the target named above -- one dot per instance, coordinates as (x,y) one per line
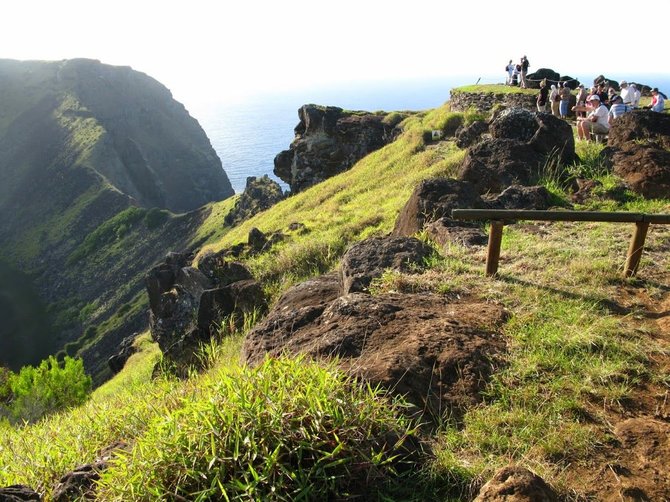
(286,430)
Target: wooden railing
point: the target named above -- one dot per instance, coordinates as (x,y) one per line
(501,217)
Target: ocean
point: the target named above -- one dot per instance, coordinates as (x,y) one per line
(248,134)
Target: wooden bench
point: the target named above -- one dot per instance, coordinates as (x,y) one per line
(501,217)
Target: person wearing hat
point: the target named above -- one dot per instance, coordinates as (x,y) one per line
(617,108)
(657,100)
(595,122)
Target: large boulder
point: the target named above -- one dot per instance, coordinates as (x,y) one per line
(437,353)
(639,152)
(516,484)
(328,141)
(187,305)
(521,197)
(433,199)
(369,259)
(522,143)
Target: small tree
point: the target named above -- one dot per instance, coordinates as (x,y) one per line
(50,387)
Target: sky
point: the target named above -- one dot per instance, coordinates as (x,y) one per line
(220,51)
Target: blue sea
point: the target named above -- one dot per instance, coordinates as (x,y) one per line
(248,134)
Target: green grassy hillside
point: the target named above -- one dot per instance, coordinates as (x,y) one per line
(587,349)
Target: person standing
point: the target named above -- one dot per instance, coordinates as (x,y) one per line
(625,93)
(543,96)
(554,99)
(634,96)
(524,71)
(510,71)
(565,95)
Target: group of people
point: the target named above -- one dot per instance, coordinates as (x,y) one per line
(603,105)
(516,73)
(556,98)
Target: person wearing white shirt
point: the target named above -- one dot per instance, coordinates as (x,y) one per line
(634,94)
(595,122)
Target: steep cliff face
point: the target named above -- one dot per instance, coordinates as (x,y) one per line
(92,158)
(329,140)
(119,123)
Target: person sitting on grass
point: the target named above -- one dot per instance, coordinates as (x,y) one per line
(595,122)
(617,108)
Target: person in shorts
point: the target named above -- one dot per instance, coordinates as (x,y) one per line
(595,122)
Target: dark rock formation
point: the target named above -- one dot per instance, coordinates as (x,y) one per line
(369,259)
(433,199)
(467,136)
(186,305)
(522,143)
(80,483)
(518,484)
(644,127)
(259,194)
(521,197)
(639,151)
(437,353)
(19,493)
(446,231)
(126,349)
(329,141)
(257,239)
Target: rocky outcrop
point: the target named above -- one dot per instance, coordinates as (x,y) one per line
(187,305)
(436,352)
(369,259)
(516,484)
(434,199)
(522,143)
(329,140)
(639,152)
(259,194)
(126,349)
(430,205)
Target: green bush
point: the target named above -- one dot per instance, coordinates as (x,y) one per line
(50,387)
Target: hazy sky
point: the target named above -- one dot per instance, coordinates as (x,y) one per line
(218,50)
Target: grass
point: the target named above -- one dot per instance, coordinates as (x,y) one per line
(290,429)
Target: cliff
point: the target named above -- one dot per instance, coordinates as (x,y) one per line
(91,156)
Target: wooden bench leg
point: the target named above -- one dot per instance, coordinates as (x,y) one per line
(635,248)
(493,251)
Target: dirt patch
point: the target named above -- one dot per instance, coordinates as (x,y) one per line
(634,465)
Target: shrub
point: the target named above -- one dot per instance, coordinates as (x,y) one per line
(287,430)
(50,387)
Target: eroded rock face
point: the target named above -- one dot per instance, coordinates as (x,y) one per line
(328,141)
(370,258)
(516,484)
(437,353)
(521,197)
(188,304)
(638,149)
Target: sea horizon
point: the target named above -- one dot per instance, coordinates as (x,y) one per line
(248,133)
